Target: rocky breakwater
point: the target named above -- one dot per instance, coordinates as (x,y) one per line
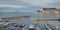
(11,18)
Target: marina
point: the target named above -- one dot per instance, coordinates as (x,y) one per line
(29,14)
(29,23)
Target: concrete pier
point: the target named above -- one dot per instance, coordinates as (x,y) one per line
(45,19)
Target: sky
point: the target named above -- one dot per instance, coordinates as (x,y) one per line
(27,5)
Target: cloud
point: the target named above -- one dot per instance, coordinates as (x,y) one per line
(1,1)
(13,6)
(42,2)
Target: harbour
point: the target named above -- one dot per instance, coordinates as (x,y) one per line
(29,14)
(28,21)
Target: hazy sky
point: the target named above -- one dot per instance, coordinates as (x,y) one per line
(27,5)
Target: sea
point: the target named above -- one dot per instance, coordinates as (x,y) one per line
(28,21)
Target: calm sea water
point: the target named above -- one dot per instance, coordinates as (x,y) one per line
(28,21)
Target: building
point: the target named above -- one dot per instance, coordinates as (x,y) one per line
(49,10)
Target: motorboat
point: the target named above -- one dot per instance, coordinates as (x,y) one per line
(33,27)
(53,27)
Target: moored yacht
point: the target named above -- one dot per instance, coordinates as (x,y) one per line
(32,27)
(53,27)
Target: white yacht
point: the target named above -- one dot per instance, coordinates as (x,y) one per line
(53,27)
(33,27)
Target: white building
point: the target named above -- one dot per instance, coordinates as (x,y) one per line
(49,10)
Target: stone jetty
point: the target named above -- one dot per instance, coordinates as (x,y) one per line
(11,18)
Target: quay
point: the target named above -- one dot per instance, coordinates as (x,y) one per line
(45,19)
